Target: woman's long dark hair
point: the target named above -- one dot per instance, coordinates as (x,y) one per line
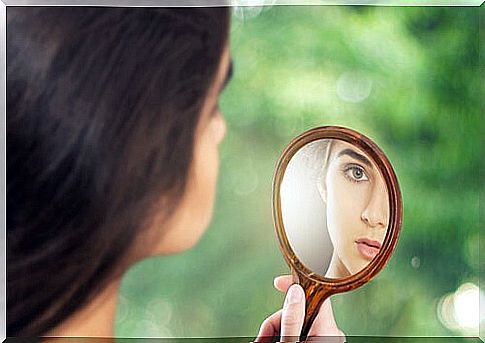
(102,105)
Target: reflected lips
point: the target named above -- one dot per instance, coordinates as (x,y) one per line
(368,248)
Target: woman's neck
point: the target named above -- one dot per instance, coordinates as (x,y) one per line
(336,269)
(96,319)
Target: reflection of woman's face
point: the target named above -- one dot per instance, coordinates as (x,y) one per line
(357,206)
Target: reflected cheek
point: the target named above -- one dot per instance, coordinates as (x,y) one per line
(340,221)
(352,200)
(344,200)
(344,207)
(337,217)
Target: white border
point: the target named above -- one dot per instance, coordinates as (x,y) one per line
(143,3)
(3,145)
(210,3)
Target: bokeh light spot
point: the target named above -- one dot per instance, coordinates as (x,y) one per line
(247,9)
(353,87)
(415,262)
(459,311)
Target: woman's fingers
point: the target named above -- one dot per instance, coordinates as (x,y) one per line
(293,314)
(283,282)
(325,325)
(270,328)
(285,323)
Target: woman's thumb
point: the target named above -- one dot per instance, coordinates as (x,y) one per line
(293,314)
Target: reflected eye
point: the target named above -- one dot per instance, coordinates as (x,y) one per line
(355,173)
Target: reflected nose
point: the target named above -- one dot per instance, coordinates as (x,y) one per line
(376,213)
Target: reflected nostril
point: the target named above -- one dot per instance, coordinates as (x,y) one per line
(376,212)
(373,220)
(365,217)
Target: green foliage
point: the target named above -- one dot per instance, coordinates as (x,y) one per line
(422,109)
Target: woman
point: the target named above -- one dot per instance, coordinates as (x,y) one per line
(113,130)
(357,207)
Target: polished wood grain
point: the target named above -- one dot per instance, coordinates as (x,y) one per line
(317,287)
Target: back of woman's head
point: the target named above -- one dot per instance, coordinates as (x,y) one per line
(102,105)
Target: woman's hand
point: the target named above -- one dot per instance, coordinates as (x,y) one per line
(287,322)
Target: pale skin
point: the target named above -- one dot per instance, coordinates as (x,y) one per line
(183,230)
(357,207)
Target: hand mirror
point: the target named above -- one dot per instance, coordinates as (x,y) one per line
(337,211)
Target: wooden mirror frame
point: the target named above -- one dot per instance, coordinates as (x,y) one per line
(317,287)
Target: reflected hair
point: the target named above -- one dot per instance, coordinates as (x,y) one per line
(317,155)
(102,106)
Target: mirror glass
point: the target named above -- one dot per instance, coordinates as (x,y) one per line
(335,207)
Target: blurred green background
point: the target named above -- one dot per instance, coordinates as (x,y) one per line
(408,78)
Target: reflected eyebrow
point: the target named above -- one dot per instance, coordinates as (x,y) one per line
(355,155)
(229,74)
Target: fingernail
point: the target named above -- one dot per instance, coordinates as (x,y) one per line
(295,295)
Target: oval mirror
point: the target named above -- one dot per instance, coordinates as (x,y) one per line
(337,211)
